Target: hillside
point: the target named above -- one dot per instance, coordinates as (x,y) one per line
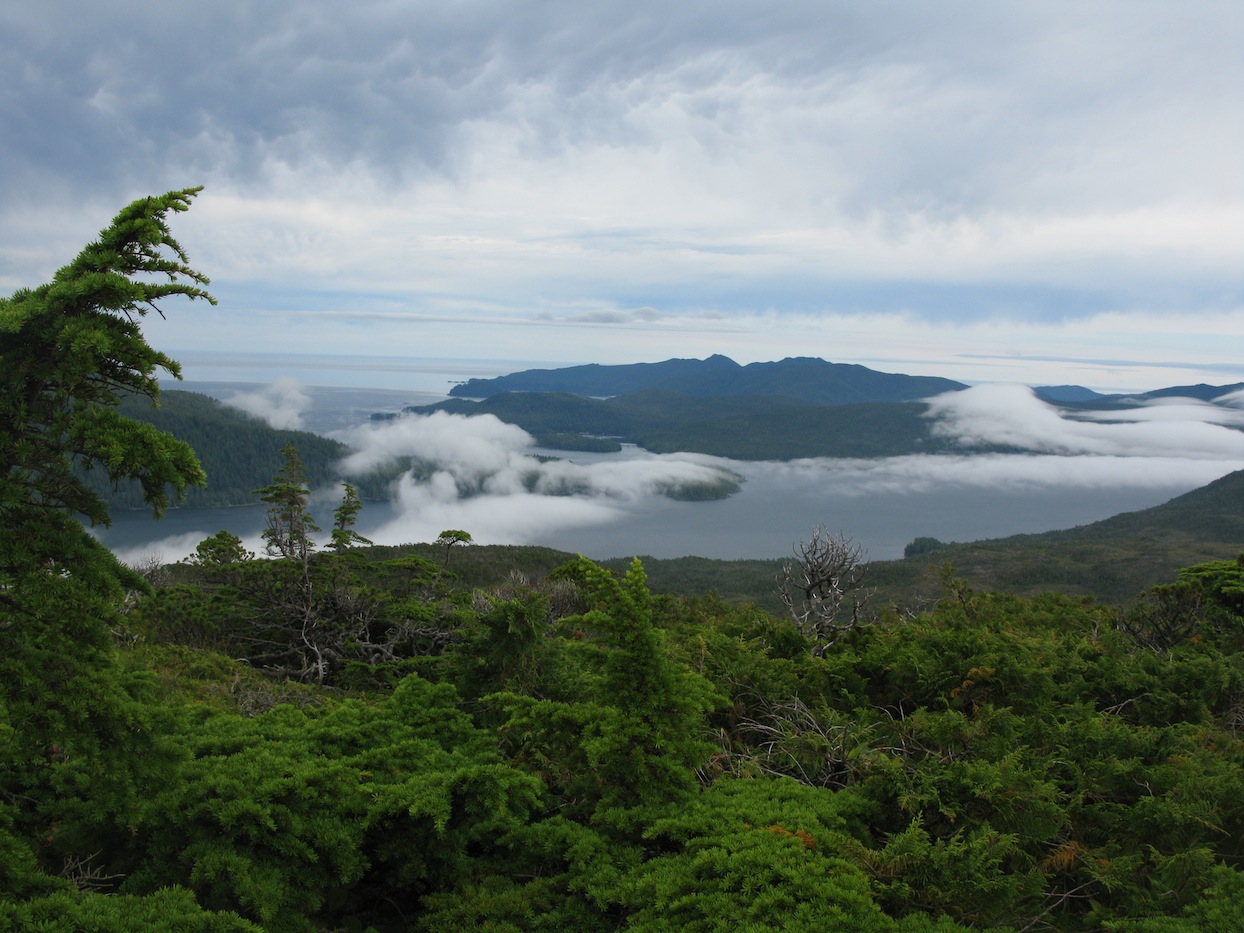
(802,378)
(239,453)
(740,427)
(1111,560)
(351,738)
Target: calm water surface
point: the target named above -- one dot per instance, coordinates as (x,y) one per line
(774,509)
(882,505)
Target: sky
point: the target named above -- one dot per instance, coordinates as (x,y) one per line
(993,192)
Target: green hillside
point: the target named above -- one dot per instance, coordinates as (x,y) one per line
(802,378)
(240,453)
(739,427)
(1110,560)
(446,738)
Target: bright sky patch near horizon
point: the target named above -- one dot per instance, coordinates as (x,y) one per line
(1042,193)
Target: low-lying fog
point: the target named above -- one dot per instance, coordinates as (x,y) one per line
(485,477)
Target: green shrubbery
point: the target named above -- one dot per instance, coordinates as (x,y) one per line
(582,754)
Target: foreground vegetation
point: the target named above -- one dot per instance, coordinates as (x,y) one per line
(355,741)
(357,738)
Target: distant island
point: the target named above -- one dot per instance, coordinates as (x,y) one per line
(785,410)
(805,379)
(790,409)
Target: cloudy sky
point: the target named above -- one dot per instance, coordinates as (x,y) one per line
(994,192)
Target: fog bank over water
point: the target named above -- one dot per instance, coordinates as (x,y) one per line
(881,504)
(1012,415)
(485,477)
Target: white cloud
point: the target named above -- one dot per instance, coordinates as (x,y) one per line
(167,550)
(424,510)
(1235,399)
(1013,416)
(471,449)
(924,474)
(482,474)
(282,403)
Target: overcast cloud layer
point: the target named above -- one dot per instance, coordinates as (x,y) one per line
(1041,193)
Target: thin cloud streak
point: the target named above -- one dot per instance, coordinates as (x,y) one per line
(917,475)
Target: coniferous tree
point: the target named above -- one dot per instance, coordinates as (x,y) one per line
(79,746)
(345,516)
(290,525)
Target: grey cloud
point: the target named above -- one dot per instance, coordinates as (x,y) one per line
(927,108)
(620,316)
(455,162)
(601,317)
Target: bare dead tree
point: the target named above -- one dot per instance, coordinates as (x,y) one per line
(820,748)
(1163,617)
(823,588)
(85,875)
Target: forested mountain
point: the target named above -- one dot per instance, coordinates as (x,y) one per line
(238,452)
(1205,393)
(740,427)
(1080,397)
(594,379)
(763,411)
(802,378)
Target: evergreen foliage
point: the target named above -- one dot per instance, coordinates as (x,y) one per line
(238,453)
(80,738)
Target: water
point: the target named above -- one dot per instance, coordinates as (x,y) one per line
(330,410)
(779,505)
(882,505)
(395,373)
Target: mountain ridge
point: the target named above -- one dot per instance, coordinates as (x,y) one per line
(808,379)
